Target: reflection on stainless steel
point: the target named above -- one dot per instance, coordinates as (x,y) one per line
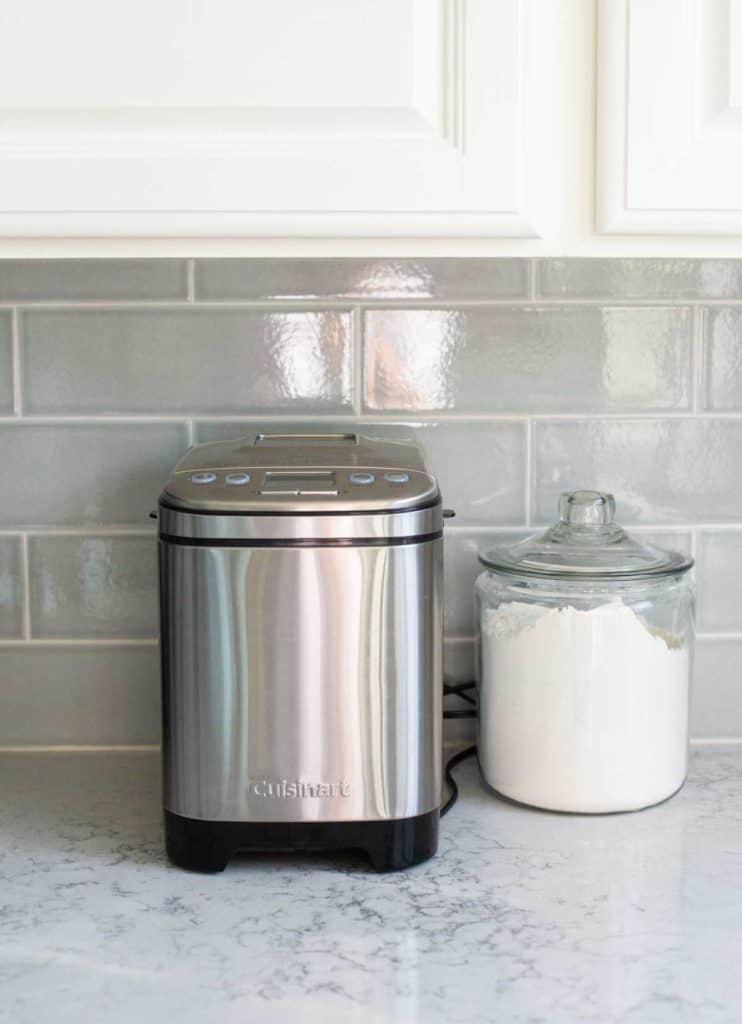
(357,526)
(290,665)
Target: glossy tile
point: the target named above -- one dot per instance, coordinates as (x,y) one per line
(11,588)
(93,586)
(670,540)
(89,280)
(461,567)
(80,695)
(480,466)
(528,359)
(650,278)
(69,474)
(717,689)
(662,471)
(255,279)
(458,667)
(195,360)
(603,337)
(719,580)
(6,362)
(458,660)
(722,359)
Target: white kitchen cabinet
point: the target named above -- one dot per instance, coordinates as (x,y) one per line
(669,117)
(272,117)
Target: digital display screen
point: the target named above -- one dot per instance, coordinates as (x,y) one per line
(299,481)
(301,440)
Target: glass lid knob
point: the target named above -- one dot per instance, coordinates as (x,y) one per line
(586,508)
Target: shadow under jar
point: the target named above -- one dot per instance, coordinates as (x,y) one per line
(584,657)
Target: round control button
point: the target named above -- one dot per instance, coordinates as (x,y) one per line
(203,478)
(397,478)
(361,478)
(237,478)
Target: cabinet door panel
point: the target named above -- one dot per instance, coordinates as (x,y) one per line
(670,116)
(272,117)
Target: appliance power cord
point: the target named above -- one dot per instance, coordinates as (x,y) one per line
(461,691)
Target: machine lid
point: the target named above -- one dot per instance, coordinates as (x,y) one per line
(586,543)
(300,474)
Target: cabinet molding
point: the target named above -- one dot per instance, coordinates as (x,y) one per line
(385,118)
(669,117)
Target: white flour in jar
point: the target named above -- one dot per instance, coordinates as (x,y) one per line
(581,710)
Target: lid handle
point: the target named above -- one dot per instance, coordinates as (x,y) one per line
(586,508)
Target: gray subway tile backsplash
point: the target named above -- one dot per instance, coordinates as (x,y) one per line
(455,279)
(11,588)
(461,566)
(93,586)
(85,474)
(6,362)
(716,710)
(528,359)
(719,576)
(594,380)
(95,695)
(639,279)
(168,360)
(722,359)
(661,470)
(93,280)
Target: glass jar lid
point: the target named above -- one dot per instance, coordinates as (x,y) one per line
(587,543)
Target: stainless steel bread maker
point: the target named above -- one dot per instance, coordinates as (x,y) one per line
(300,595)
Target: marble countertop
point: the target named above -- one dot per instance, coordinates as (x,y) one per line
(522,916)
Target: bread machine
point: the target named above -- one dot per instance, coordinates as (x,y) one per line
(300,590)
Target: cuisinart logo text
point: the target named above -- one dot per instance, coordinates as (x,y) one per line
(293,789)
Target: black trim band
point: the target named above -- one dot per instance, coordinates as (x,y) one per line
(391,845)
(300,542)
(304,512)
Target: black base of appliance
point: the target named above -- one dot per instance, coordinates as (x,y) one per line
(390,845)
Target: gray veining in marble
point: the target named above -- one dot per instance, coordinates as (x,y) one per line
(522,917)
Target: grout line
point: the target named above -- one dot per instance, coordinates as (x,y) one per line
(15,333)
(80,748)
(80,641)
(475,527)
(710,635)
(389,417)
(191,432)
(191,280)
(357,384)
(531,278)
(451,527)
(696,394)
(26,586)
(288,305)
(346,302)
(714,741)
(528,470)
(468,638)
(79,531)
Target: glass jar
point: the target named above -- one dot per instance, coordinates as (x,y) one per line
(584,656)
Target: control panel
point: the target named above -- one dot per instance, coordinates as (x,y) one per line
(315,473)
(310,482)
